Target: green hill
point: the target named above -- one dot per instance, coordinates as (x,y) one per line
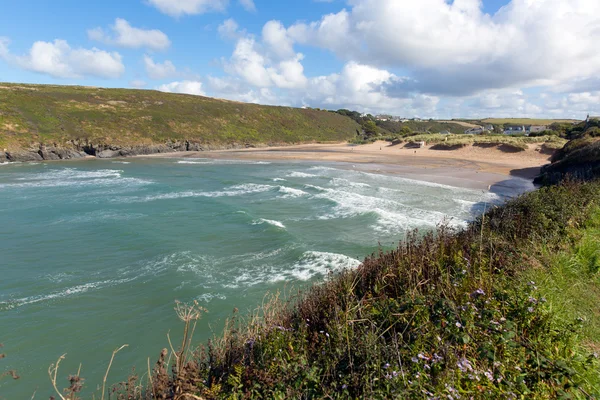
(75,117)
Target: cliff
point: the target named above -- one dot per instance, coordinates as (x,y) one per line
(47,122)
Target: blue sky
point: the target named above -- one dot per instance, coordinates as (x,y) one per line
(427,58)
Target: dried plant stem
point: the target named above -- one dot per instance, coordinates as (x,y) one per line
(53,371)
(108,369)
(150,379)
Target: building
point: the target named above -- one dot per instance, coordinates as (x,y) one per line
(514,129)
(489,128)
(474,131)
(537,128)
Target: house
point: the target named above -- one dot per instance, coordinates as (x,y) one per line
(537,128)
(514,129)
(474,131)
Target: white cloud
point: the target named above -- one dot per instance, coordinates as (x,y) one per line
(455,48)
(59,60)
(249,63)
(177,8)
(229,29)
(187,87)
(157,70)
(4,42)
(276,37)
(127,36)
(248,5)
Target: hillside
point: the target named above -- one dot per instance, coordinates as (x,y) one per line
(71,120)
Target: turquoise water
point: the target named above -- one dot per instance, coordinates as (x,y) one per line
(93,254)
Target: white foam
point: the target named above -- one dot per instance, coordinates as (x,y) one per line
(121,162)
(99,216)
(291,192)
(238,190)
(341,182)
(68,177)
(208,297)
(210,161)
(279,180)
(296,174)
(68,292)
(316,263)
(393,216)
(270,222)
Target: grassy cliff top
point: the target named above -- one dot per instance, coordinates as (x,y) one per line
(57,114)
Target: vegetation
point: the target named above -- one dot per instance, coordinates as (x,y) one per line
(525,121)
(31,114)
(580,157)
(505,308)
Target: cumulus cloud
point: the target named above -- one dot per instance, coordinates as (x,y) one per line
(60,60)
(248,5)
(178,8)
(159,70)
(455,48)
(124,35)
(229,29)
(186,87)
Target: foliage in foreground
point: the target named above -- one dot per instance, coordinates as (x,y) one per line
(446,315)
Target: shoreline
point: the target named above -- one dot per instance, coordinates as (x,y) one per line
(470,167)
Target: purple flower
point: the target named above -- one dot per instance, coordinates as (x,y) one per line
(344,386)
(479,292)
(530,309)
(464,365)
(458,325)
(386,366)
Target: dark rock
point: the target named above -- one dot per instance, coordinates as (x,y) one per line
(23,156)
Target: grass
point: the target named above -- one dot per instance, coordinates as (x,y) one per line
(505,308)
(525,121)
(72,114)
(457,141)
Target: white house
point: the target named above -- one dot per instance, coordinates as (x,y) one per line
(474,131)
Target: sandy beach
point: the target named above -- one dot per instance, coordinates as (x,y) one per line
(471,166)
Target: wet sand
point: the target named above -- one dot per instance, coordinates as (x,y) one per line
(471,166)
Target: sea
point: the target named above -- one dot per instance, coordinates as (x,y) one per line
(94,254)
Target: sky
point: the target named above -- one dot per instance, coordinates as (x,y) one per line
(409,58)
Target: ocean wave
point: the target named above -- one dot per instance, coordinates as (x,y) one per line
(393,216)
(72,173)
(99,217)
(291,192)
(68,292)
(341,182)
(296,174)
(238,190)
(211,161)
(121,162)
(270,222)
(279,180)
(208,297)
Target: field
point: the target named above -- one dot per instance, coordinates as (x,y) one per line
(526,121)
(31,114)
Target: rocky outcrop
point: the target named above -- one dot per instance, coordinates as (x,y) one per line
(78,149)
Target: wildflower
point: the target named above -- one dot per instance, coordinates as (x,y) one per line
(479,292)
(423,357)
(458,325)
(464,365)
(386,366)
(489,375)
(427,367)
(532,300)
(464,271)
(344,386)
(414,359)
(530,309)
(502,319)
(436,358)
(543,300)
(531,283)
